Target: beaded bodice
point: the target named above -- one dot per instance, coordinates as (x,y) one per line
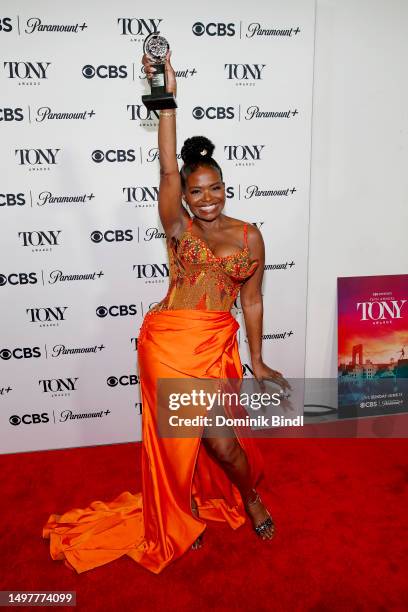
(200,280)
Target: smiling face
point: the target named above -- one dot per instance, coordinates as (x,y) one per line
(204,193)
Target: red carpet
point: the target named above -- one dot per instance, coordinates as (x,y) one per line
(340,508)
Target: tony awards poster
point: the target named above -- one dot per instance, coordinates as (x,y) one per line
(372,345)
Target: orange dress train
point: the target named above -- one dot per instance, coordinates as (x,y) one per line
(156,526)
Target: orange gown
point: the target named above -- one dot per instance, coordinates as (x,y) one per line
(191,333)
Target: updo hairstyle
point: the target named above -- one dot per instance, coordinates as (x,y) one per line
(197,151)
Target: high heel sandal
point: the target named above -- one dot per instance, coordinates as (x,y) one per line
(264,525)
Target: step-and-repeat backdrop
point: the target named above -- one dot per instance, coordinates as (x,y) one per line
(82,251)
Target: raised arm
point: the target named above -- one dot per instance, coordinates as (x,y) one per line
(173,215)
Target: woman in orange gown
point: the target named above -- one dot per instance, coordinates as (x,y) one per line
(190,334)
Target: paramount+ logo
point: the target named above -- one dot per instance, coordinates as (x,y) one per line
(214,29)
(214,112)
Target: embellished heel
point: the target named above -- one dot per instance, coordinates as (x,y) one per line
(262,527)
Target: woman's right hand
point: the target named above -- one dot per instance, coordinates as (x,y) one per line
(149,68)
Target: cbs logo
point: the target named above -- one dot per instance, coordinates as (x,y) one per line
(119,155)
(113,381)
(5,24)
(112,236)
(122,310)
(214,112)
(21,278)
(29,419)
(20,353)
(104,72)
(12,199)
(11,114)
(214,29)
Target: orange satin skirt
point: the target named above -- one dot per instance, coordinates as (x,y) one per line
(155,526)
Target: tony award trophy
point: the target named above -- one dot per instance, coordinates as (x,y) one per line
(156,47)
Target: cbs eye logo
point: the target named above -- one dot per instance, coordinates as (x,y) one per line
(102,311)
(214,29)
(98,156)
(96,236)
(198,112)
(88,71)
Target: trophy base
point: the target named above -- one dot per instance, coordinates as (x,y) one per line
(159,101)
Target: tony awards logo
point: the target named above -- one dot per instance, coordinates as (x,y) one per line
(156,48)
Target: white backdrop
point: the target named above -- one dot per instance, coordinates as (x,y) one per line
(82,254)
(359,191)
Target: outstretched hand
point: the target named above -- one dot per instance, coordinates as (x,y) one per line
(149,68)
(263,372)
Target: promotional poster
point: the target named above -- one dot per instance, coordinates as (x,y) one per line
(372,345)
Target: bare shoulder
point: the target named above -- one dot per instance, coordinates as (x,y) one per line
(253,233)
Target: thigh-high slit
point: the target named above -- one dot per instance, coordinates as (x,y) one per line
(156,526)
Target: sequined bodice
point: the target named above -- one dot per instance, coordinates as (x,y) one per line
(199,279)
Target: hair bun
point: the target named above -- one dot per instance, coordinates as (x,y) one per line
(196,148)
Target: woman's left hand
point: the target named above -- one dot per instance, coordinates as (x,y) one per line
(263,372)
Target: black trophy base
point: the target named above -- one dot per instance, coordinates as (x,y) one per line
(159,101)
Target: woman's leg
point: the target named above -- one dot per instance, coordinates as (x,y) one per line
(233,459)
